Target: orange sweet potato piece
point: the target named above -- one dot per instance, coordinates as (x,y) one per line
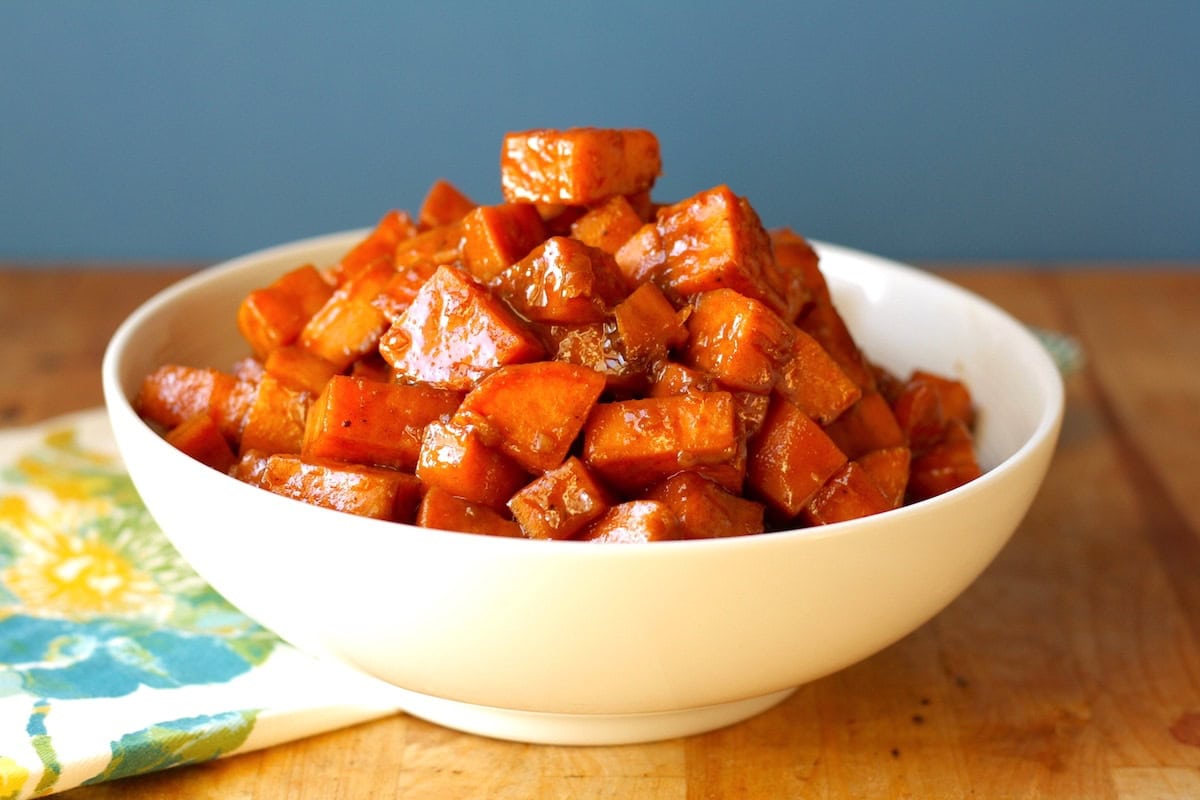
(918,412)
(648,324)
(457,456)
(356,489)
(560,503)
(634,443)
(671,378)
(562,281)
(536,409)
(946,465)
(632,522)
(888,468)
(401,289)
(795,256)
(849,494)
(442,510)
(348,326)
(437,246)
(495,237)
(823,322)
(953,394)
(737,339)
(579,166)
(378,245)
(298,369)
(598,347)
(444,204)
(454,333)
(812,380)
(867,425)
(790,459)
(711,240)
(200,438)
(704,509)
(608,225)
(368,422)
(275,315)
(172,394)
(275,422)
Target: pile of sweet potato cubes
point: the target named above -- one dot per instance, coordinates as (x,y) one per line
(578,362)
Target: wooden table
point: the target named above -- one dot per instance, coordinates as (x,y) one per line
(1070,669)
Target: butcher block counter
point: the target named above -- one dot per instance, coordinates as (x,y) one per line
(1071,668)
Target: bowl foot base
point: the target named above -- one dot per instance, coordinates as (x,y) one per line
(584,729)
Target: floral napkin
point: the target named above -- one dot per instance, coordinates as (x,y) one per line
(115,657)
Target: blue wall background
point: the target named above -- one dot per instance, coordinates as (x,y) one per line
(1028,129)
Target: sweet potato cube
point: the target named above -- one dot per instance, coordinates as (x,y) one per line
(812,380)
(457,456)
(867,425)
(849,494)
(946,465)
(633,522)
(496,237)
(562,281)
(401,289)
(790,459)
(597,346)
(275,422)
(356,489)
(710,241)
(299,369)
(888,468)
(704,509)
(444,204)
(172,394)
(608,225)
(378,245)
(250,467)
(796,257)
(954,395)
(200,438)
(437,246)
(672,378)
(632,444)
(442,510)
(349,325)
(737,339)
(368,422)
(918,412)
(560,503)
(822,321)
(275,315)
(579,166)
(536,409)
(454,333)
(648,324)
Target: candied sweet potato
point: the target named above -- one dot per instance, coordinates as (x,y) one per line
(368,422)
(454,333)
(457,456)
(648,324)
(790,459)
(560,503)
(563,281)
(888,468)
(444,204)
(944,466)
(578,166)
(276,314)
(813,380)
(495,237)
(633,522)
(172,394)
(706,510)
(275,421)
(201,438)
(356,489)
(440,509)
(608,225)
(378,245)
(349,325)
(536,409)
(737,339)
(849,494)
(867,425)
(299,369)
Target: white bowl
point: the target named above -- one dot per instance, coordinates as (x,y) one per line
(578,643)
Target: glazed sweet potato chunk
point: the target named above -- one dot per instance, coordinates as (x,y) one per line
(368,422)
(172,394)
(356,489)
(599,347)
(738,340)
(634,443)
(457,456)
(712,240)
(349,325)
(608,225)
(495,237)
(563,281)
(444,204)
(796,257)
(944,466)
(634,522)
(275,315)
(867,425)
(437,247)
(579,166)
(275,421)
(648,324)
(888,468)
(813,380)
(536,409)
(378,245)
(299,369)
(849,494)
(822,321)
(560,503)
(201,439)
(790,459)
(440,509)
(706,510)
(454,333)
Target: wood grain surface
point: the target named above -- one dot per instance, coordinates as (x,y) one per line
(1070,669)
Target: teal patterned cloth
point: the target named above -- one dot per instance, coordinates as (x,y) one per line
(115,657)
